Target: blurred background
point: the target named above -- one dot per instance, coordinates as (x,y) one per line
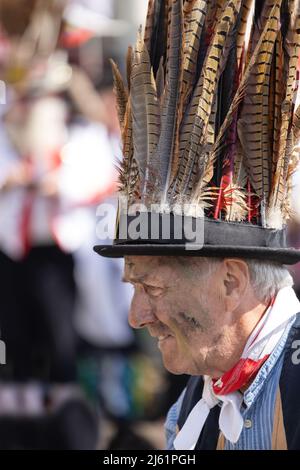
(75,375)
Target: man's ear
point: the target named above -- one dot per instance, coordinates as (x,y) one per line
(236,279)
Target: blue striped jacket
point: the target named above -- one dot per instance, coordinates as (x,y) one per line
(281,369)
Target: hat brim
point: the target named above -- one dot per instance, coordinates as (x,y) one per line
(279,255)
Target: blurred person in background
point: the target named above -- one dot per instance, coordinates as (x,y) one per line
(40,400)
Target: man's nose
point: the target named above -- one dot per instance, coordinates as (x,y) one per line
(141,312)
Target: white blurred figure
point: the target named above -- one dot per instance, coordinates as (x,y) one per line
(90,178)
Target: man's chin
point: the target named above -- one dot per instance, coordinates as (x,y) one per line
(169,352)
(172,365)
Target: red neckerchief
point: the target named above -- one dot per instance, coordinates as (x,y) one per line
(241,374)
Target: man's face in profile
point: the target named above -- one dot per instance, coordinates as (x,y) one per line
(177,300)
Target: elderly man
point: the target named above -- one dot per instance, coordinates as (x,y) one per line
(209,130)
(203,313)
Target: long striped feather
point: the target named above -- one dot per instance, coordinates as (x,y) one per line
(159,36)
(125,175)
(253,125)
(170,101)
(160,80)
(194,22)
(292,48)
(145,111)
(277,93)
(149,24)
(239,96)
(121,93)
(203,98)
(243,35)
(129,59)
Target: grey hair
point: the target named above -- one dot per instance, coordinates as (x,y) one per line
(267,278)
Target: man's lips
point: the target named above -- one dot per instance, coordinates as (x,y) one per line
(159,335)
(164,340)
(162,337)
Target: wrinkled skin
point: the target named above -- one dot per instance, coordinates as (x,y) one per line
(202,316)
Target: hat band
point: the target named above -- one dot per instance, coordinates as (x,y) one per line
(162,229)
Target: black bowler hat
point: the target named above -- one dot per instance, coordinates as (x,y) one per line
(208,121)
(220,239)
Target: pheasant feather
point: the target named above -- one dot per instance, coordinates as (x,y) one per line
(145,111)
(292,47)
(170,100)
(253,125)
(121,93)
(203,98)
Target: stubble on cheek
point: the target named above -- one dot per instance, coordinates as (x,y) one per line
(189,322)
(193,319)
(190,334)
(187,328)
